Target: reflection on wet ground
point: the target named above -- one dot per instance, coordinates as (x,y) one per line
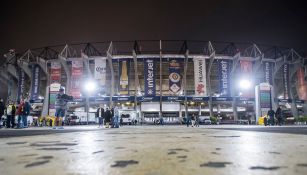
(150,150)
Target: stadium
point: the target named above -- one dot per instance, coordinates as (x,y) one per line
(236,82)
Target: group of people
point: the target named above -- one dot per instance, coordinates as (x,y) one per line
(21,110)
(108,118)
(274,118)
(193,120)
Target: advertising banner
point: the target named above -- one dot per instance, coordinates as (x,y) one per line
(200,76)
(301,84)
(150,78)
(76,78)
(35,83)
(123,71)
(268,72)
(55,72)
(246,74)
(53,91)
(100,70)
(224,77)
(265,96)
(286,80)
(21,84)
(174,76)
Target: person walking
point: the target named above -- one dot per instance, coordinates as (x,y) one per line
(188,120)
(100,114)
(10,115)
(2,109)
(60,107)
(115,123)
(197,120)
(271,115)
(278,116)
(193,120)
(25,113)
(20,109)
(108,117)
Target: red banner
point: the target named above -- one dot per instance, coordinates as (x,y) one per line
(55,72)
(246,74)
(76,78)
(301,84)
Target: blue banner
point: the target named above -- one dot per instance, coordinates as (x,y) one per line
(149,75)
(174,76)
(268,72)
(35,82)
(222,98)
(21,84)
(224,77)
(147,99)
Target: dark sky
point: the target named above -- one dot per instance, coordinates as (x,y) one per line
(32,24)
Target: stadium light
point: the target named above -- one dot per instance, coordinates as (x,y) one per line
(90,86)
(245,84)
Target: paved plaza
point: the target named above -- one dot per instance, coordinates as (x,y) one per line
(154,150)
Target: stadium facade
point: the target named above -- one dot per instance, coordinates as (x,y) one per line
(149,79)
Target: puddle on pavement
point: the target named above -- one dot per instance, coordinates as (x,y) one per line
(16,143)
(119,147)
(28,155)
(53,149)
(36,163)
(178,149)
(270,168)
(39,144)
(272,152)
(172,152)
(302,164)
(101,151)
(215,153)
(225,136)
(218,149)
(182,157)
(124,163)
(215,164)
(45,157)
(1,159)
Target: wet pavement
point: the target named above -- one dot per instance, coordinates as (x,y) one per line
(154,150)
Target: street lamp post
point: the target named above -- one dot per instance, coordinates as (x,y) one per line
(89,86)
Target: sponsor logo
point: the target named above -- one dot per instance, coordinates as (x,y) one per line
(150,77)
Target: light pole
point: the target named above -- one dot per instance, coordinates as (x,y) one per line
(89,87)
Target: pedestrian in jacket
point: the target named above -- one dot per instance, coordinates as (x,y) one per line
(108,117)
(100,114)
(25,114)
(271,115)
(20,109)
(2,108)
(10,115)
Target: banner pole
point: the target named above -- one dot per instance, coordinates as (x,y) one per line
(160,113)
(185,84)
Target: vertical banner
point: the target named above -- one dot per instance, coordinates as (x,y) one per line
(21,84)
(123,72)
(286,80)
(200,76)
(55,80)
(150,78)
(100,70)
(224,77)
(76,78)
(174,76)
(55,72)
(246,74)
(268,72)
(265,96)
(301,84)
(35,82)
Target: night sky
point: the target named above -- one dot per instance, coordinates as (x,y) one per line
(32,24)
